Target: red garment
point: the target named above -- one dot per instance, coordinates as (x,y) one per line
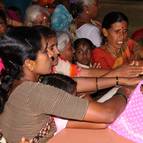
(138,35)
(108,61)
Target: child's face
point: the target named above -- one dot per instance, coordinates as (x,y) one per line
(83,54)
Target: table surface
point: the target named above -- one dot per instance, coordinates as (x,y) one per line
(88,136)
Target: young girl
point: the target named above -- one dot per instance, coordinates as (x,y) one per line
(27,105)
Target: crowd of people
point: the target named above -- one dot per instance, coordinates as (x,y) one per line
(47,56)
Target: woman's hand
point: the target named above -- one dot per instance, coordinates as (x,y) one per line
(24,140)
(126,71)
(97,65)
(129,81)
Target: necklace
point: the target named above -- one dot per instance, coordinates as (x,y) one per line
(116,52)
(111,50)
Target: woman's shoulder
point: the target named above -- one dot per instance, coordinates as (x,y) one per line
(28,87)
(99,50)
(88,26)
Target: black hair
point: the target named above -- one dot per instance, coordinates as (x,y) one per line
(76,8)
(112,18)
(45,31)
(60,81)
(16,46)
(83,41)
(3,17)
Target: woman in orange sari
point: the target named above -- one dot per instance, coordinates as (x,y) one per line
(117,48)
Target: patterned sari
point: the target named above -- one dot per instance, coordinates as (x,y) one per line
(108,61)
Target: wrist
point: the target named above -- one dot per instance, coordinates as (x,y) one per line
(122,92)
(117,80)
(123,96)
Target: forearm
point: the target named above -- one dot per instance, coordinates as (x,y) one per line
(91,84)
(86,84)
(105,112)
(93,72)
(85,125)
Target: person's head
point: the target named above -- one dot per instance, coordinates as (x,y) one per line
(36,15)
(24,58)
(60,81)
(115,28)
(49,40)
(14,13)
(89,8)
(65,46)
(3,22)
(82,51)
(61,18)
(2,6)
(138,36)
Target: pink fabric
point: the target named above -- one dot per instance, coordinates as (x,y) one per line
(130,123)
(13,15)
(1,65)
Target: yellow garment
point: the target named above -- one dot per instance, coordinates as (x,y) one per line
(121,59)
(118,62)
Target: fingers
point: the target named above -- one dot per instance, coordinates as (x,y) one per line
(97,65)
(134,71)
(24,140)
(134,63)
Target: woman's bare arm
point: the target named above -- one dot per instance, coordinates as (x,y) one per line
(85,84)
(85,125)
(109,110)
(123,71)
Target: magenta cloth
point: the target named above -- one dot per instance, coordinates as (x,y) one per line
(1,65)
(13,15)
(130,123)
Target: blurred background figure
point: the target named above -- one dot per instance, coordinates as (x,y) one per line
(84,13)
(19,4)
(3,22)
(61,18)
(36,15)
(138,36)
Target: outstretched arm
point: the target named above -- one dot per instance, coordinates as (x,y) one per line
(123,71)
(85,84)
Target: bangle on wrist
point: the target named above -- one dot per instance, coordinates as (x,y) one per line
(117,80)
